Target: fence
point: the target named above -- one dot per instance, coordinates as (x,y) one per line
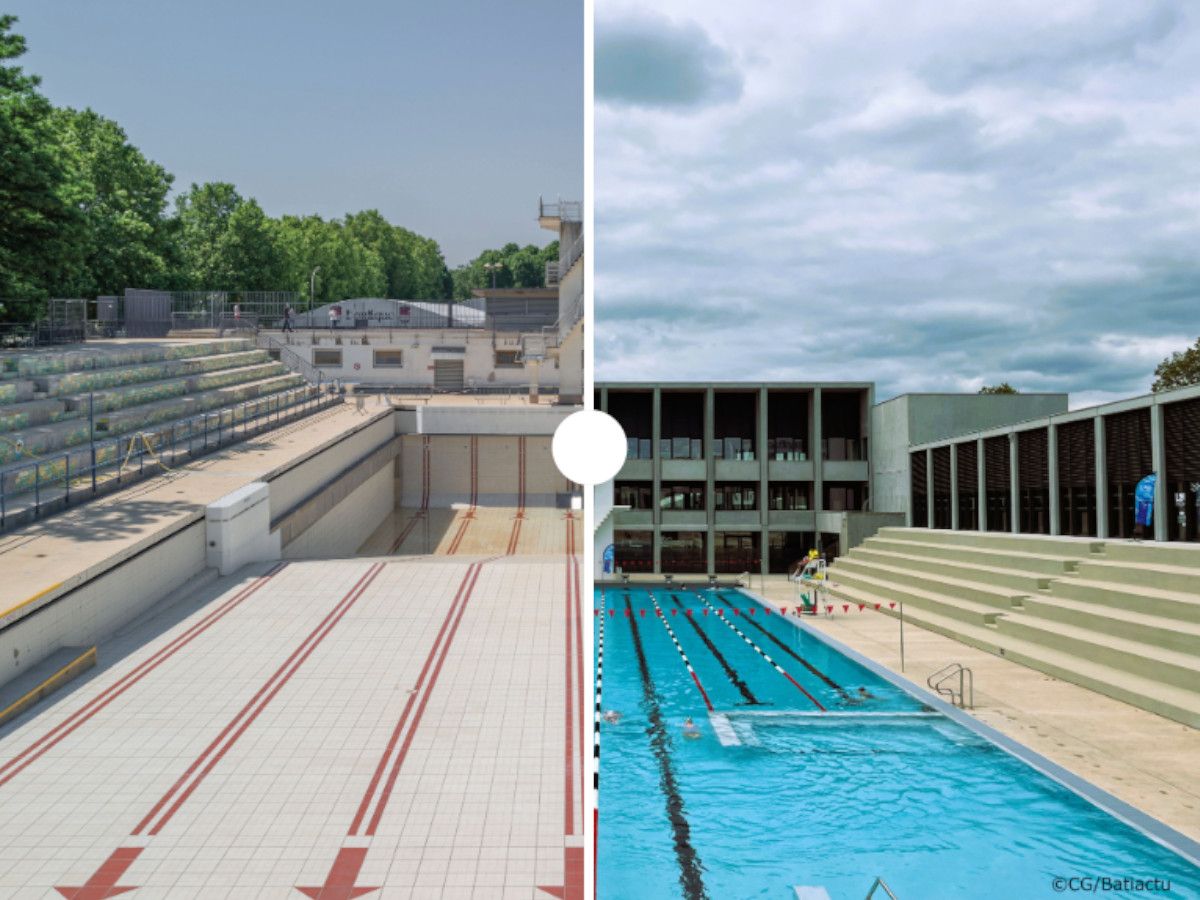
(40,487)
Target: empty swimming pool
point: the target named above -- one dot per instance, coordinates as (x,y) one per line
(811,770)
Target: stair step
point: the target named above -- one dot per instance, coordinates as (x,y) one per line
(1141,573)
(1020,561)
(997,540)
(967,610)
(1175,703)
(1179,605)
(1131,624)
(1025,582)
(1186,556)
(242,367)
(110,378)
(1001,598)
(28,413)
(1145,660)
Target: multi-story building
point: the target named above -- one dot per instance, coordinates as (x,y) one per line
(736,477)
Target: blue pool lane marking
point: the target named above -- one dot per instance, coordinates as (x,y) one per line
(679,648)
(842,692)
(763,653)
(730,671)
(690,868)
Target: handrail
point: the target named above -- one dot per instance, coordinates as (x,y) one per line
(76,472)
(879,883)
(293,360)
(966,682)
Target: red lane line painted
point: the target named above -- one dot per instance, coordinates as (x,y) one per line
(424,508)
(470,514)
(216,750)
(104,883)
(679,648)
(580,703)
(569,792)
(381,767)
(39,747)
(386,793)
(343,877)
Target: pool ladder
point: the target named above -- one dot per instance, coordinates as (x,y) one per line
(879,884)
(966,684)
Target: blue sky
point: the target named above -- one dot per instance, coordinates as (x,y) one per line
(450,117)
(932,196)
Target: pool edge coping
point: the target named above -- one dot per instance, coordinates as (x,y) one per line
(1156,830)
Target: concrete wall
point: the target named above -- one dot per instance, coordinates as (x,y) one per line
(449,467)
(345,527)
(856,527)
(95,610)
(479,360)
(508,420)
(570,366)
(909,419)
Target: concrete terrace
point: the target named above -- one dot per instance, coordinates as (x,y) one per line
(412,725)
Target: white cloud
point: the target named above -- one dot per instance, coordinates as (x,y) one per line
(931,196)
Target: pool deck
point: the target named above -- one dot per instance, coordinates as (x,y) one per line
(49,557)
(411,725)
(1139,757)
(454,532)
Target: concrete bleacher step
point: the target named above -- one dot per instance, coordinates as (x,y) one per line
(1040,563)
(1179,704)
(1003,541)
(243,367)
(53,361)
(1142,659)
(79,384)
(27,413)
(913,575)
(47,439)
(1185,556)
(1130,624)
(1026,582)
(1141,574)
(1182,606)
(954,607)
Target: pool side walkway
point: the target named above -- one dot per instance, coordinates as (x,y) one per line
(1146,760)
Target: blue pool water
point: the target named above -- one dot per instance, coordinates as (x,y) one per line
(817,783)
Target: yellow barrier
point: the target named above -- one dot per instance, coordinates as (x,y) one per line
(79,664)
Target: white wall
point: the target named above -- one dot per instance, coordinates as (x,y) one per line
(479,358)
(346,527)
(97,609)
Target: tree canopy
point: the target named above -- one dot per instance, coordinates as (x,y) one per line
(1002,388)
(1180,369)
(84,213)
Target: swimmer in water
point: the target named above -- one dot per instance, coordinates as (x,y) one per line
(612,717)
(689,729)
(861,696)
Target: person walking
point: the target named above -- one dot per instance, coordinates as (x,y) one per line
(287,319)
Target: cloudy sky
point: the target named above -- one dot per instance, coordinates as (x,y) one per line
(932,196)
(451,118)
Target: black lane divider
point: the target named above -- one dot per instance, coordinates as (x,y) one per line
(793,654)
(730,672)
(690,867)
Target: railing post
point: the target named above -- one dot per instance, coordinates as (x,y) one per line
(92,434)
(37,488)
(67,479)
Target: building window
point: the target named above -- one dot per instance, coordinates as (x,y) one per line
(845,495)
(327,358)
(683,551)
(737,496)
(790,497)
(635,495)
(388,359)
(682,496)
(634,551)
(508,359)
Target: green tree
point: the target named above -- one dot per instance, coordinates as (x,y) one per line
(204,212)
(1002,388)
(126,239)
(1178,370)
(250,252)
(347,267)
(39,224)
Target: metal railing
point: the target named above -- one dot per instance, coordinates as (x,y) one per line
(966,684)
(566,210)
(552,273)
(291,359)
(49,484)
(572,255)
(877,885)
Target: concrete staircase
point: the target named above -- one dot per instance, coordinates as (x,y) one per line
(46,396)
(1118,617)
